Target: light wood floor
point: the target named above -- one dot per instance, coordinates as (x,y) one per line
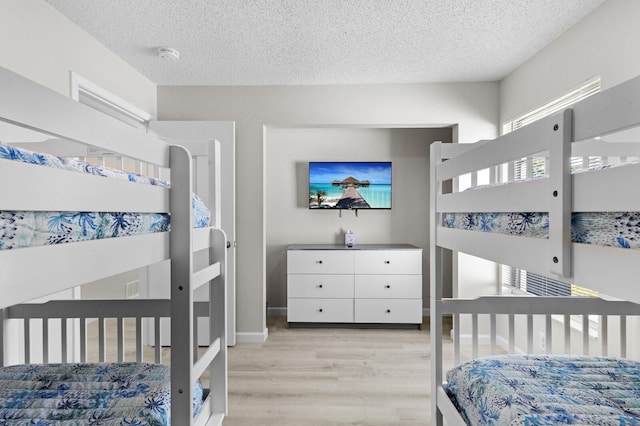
(325,376)
(330,376)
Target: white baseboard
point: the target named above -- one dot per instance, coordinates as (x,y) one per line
(277,311)
(245,337)
(283,311)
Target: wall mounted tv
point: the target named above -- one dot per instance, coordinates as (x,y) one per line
(349,185)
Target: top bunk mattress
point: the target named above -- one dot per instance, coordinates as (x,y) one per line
(610,229)
(20,229)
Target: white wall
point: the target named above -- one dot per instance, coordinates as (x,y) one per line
(289,219)
(605,43)
(473,107)
(39,43)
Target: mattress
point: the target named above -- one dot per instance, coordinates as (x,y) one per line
(612,229)
(29,229)
(546,390)
(88,394)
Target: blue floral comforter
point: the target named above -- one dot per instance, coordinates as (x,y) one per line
(88,394)
(27,229)
(546,390)
(613,229)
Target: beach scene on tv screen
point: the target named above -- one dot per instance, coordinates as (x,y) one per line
(344,185)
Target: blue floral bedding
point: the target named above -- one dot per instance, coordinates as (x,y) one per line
(546,390)
(613,229)
(63,163)
(88,394)
(28,229)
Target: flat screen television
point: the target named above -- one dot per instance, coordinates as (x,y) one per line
(349,185)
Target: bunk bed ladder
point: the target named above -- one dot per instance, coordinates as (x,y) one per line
(435,255)
(186,367)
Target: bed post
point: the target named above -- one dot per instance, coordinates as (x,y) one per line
(560,194)
(435,279)
(218,321)
(181,287)
(2,324)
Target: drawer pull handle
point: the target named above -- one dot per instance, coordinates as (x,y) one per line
(319,285)
(320,310)
(387,262)
(387,286)
(388,311)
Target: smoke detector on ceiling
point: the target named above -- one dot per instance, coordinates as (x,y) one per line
(168,53)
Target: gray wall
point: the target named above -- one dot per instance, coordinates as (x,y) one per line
(289,220)
(471,109)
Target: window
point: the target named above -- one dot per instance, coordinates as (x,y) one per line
(538,285)
(89,93)
(521,281)
(590,88)
(536,167)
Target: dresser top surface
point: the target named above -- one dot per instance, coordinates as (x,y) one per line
(354,248)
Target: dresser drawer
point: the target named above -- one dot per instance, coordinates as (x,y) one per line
(384,311)
(318,285)
(319,262)
(388,262)
(388,286)
(319,310)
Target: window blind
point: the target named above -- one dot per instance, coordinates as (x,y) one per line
(583,92)
(539,285)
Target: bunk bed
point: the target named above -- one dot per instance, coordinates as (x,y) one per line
(516,381)
(193,391)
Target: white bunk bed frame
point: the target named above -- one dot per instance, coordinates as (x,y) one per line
(30,273)
(560,193)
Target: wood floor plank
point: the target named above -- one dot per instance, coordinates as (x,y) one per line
(331,376)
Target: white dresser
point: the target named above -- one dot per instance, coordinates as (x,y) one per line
(366,284)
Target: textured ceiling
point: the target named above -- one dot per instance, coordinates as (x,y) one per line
(265,42)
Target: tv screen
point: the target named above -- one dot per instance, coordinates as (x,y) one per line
(349,185)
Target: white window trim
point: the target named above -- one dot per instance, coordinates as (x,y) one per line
(588,88)
(79,84)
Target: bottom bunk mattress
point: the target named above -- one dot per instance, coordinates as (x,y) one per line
(88,394)
(546,390)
